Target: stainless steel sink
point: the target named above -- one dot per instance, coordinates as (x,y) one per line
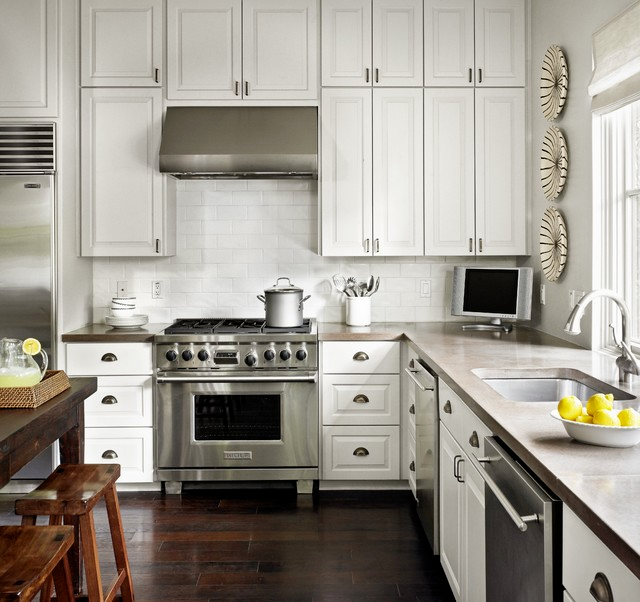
(549,384)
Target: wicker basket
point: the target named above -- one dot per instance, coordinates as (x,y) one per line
(53,383)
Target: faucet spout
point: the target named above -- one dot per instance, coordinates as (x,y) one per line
(627,363)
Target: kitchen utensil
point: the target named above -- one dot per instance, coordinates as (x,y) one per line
(375,286)
(18,368)
(370,285)
(340,282)
(283,304)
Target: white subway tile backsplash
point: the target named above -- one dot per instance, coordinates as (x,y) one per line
(235,238)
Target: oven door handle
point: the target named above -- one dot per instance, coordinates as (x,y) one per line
(305,378)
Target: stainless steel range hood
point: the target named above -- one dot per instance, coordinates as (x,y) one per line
(240,142)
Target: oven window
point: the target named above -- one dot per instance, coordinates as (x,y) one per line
(237,417)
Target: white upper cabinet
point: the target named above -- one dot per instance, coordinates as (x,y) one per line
(125,211)
(372,194)
(475,197)
(474,43)
(372,42)
(242,49)
(29,65)
(121,42)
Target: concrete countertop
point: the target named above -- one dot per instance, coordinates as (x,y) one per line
(600,484)
(102,333)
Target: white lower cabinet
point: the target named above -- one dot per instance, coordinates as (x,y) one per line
(119,415)
(586,561)
(360,398)
(462,532)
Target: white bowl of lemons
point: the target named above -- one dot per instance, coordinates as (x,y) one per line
(597,422)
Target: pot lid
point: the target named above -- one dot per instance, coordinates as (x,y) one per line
(283,288)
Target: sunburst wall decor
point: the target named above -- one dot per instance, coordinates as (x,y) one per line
(553,244)
(554,82)
(554,163)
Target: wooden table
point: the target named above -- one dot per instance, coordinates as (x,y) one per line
(25,433)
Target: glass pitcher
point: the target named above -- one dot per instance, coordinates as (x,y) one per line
(17,368)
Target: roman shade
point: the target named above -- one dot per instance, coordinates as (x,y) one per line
(616,60)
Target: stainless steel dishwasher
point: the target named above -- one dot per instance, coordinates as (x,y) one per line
(426,415)
(523,530)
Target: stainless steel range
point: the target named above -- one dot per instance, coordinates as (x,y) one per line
(236,401)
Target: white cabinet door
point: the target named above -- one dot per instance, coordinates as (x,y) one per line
(346,180)
(280,49)
(29,73)
(474,584)
(474,43)
(500,43)
(500,172)
(124,210)
(121,42)
(346,42)
(397,172)
(204,49)
(449,171)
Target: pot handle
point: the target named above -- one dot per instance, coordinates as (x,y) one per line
(302,301)
(282,278)
(261,297)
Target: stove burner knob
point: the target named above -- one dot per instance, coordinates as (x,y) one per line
(269,354)
(171,355)
(187,355)
(251,359)
(301,355)
(285,355)
(203,355)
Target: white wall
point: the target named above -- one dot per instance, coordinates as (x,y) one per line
(235,238)
(570,24)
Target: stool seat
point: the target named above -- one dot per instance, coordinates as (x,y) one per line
(29,556)
(73,490)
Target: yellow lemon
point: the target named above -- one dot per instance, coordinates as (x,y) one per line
(569,407)
(606,418)
(597,402)
(31,346)
(609,397)
(629,417)
(585,418)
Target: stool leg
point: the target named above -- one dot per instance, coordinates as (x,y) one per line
(119,544)
(29,520)
(62,579)
(90,555)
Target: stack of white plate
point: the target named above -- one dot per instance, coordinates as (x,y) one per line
(123,314)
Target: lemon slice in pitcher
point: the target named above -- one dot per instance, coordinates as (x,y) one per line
(31,346)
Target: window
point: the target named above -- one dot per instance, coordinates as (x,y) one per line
(617,196)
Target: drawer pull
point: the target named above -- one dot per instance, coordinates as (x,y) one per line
(457,461)
(412,466)
(361,398)
(109,357)
(109,400)
(360,356)
(601,588)
(474,441)
(109,455)
(447,407)
(360,451)
(412,408)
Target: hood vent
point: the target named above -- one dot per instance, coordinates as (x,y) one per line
(240,142)
(27,148)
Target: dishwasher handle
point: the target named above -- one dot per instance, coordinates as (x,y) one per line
(520,521)
(411,375)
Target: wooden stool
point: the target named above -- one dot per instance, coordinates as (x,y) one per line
(29,556)
(73,490)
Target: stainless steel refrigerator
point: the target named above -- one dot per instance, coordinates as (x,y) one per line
(27,260)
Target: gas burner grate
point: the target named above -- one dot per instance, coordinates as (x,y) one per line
(305,327)
(232,326)
(193,326)
(239,325)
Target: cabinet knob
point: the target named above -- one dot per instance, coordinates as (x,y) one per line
(470,75)
(361,398)
(246,88)
(237,88)
(412,466)
(360,356)
(109,400)
(447,407)
(601,588)
(366,245)
(156,75)
(479,76)
(474,441)
(412,408)
(366,75)
(109,357)
(377,75)
(109,455)
(457,461)
(360,451)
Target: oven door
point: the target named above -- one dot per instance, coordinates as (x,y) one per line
(232,421)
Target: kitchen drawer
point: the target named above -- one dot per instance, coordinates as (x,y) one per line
(120,401)
(98,359)
(451,410)
(584,555)
(361,357)
(473,433)
(361,452)
(133,449)
(361,399)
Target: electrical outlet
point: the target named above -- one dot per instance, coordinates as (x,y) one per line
(122,288)
(156,289)
(574,297)
(425,288)
(543,293)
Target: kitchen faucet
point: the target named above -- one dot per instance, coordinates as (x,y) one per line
(627,363)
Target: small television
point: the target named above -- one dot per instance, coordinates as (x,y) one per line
(496,293)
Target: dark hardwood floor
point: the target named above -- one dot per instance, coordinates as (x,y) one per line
(271,544)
